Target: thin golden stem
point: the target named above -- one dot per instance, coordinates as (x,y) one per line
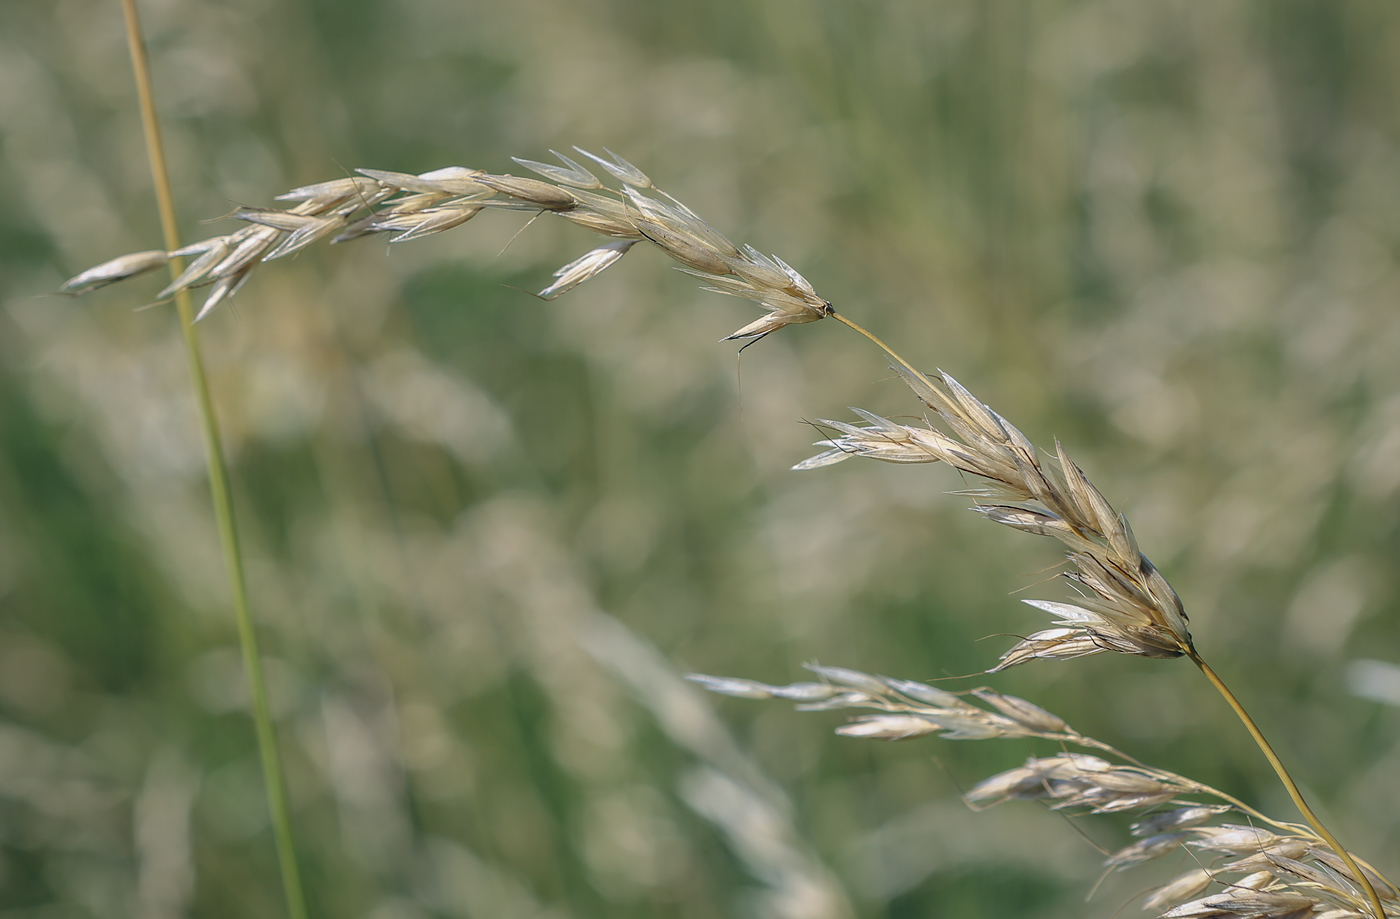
(1288,782)
(881,345)
(218,484)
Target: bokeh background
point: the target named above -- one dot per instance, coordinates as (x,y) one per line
(485,532)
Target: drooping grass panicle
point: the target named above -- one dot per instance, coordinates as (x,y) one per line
(410,207)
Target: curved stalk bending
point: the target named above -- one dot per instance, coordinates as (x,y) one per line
(1288,783)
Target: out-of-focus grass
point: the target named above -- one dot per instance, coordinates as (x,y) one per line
(1163,233)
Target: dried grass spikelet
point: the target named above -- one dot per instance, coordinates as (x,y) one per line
(1262,872)
(410,207)
(586,266)
(908,709)
(1078,780)
(1183,887)
(1125,604)
(1266,868)
(117,269)
(1290,875)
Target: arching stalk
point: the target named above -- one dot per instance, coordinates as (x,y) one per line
(1288,782)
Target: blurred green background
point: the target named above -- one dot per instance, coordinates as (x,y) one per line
(486,532)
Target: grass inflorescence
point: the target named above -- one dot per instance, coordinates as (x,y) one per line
(1122,603)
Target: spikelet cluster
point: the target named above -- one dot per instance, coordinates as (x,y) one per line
(1284,871)
(1126,605)
(409,207)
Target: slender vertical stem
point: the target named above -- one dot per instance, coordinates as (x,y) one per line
(1288,782)
(218,485)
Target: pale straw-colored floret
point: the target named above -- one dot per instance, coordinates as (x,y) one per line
(117,269)
(1181,818)
(451,180)
(1076,780)
(531,191)
(1182,888)
(570,174)
(586,266)
(889,727)
(411,225)
(1235,839)
(1325,855)
(789,300)
(1146,850)
(618,168)
(1262,904)
(908,708)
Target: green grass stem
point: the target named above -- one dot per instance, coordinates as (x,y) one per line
(218,484)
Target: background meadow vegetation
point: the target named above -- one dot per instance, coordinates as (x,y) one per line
(485,532)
